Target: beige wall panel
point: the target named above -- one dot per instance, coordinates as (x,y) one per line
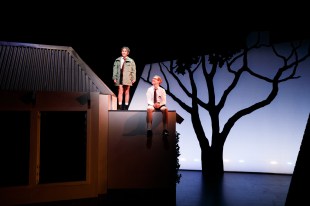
(135,161)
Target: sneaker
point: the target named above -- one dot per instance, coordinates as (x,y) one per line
(149,133)
(165,132)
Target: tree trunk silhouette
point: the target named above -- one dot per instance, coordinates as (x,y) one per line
(212,161)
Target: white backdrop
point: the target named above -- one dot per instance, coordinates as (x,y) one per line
(267,140)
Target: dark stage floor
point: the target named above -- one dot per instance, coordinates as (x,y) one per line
(236,189)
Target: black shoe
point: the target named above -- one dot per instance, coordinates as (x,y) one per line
(149,142)
(166,142)
(125,107)
(149,133)
(119,107)
(165,132)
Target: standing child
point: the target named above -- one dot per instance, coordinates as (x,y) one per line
(124,75)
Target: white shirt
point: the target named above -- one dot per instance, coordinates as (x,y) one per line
(161,95)
(122,61)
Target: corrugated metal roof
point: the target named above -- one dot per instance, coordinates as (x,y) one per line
(36,67)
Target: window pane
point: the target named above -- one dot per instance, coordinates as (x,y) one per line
(63,146)
(14,148)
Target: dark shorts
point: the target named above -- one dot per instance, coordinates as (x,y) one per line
(159,107)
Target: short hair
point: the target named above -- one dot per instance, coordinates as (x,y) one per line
(158,78)
(127,48)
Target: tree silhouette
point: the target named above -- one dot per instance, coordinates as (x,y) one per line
(225,59)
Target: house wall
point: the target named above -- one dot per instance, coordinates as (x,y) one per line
(57,101)
(136,161)
(118,153)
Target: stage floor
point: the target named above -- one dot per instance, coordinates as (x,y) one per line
(236,189)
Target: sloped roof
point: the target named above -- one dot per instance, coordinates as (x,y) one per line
(36,67)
